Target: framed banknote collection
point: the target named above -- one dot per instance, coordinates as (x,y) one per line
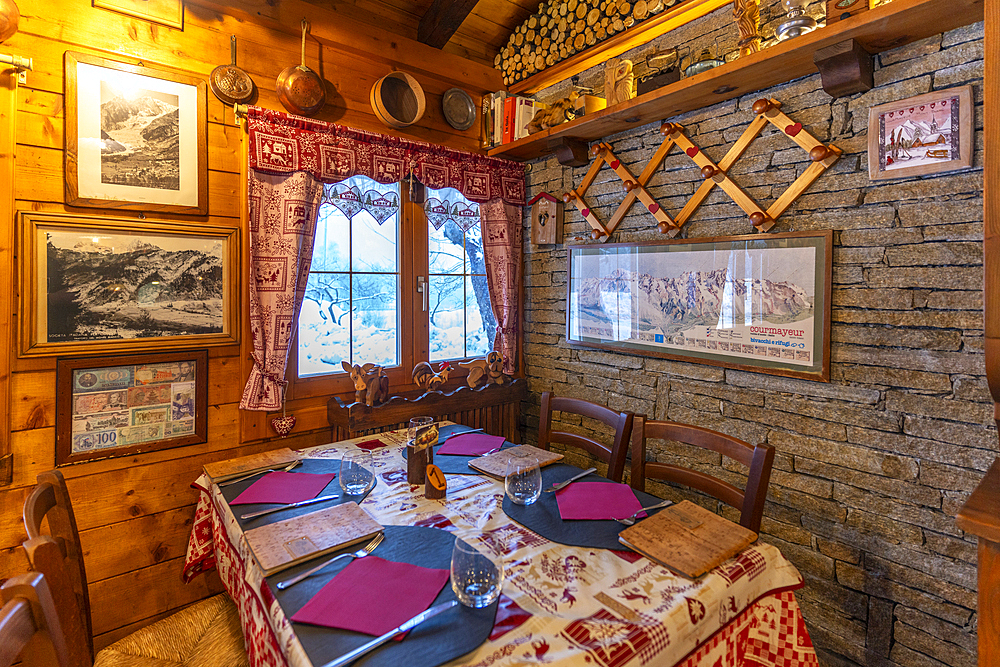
(116,406)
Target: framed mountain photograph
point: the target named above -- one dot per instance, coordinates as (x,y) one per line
(920,135)
(759,302)
(135,137)
(93,285)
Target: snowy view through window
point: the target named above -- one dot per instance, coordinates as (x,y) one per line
(461,318)
(351,305)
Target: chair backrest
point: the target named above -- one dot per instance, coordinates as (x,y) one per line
(57,555)
(29,624)
(621,422)
(759,458)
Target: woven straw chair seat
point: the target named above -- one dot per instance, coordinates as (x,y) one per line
(206,634)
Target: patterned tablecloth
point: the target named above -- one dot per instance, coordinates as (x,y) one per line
(561,605)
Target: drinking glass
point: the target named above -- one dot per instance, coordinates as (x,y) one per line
(523,481)
(476,574)
(423,432)
(356,474)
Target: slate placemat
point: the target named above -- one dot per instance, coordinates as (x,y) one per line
(451,464)
(542,516)
(309,466)
(445,637)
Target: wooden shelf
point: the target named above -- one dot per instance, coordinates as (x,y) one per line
(886,27)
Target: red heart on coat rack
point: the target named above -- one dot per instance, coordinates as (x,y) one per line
(692,151)
(793,129)
(615,164)
(654,207)
(585,212)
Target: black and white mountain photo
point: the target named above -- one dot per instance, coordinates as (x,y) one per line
(140,138)
(120,286)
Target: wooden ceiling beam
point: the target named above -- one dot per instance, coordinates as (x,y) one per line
(442,19)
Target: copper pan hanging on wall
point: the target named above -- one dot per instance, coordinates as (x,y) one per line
(300,90)
(231,84)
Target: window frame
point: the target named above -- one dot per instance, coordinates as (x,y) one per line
(414,335)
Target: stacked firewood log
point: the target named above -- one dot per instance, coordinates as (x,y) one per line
(561,29)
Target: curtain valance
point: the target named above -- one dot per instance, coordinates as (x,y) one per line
(284,144)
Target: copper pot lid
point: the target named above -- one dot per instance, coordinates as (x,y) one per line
(230,83)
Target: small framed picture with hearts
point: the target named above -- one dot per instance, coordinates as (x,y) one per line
(920,135)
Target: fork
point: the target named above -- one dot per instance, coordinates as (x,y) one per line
(630,520)
(361,553)
(563,485)
(254,474)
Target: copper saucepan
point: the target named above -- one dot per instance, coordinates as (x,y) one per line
(230,83)
(300,90)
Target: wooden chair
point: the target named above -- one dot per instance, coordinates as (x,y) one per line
(750,501)
(29,624)
(621,422)
(207,632)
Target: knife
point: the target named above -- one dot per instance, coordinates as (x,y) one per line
(405,627)
(254,515)
(452,435)
(565,483)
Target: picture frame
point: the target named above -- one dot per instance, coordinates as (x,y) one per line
(688,299)
(135,137)
(165,12)
(133,404)
(920,135)
(94,284)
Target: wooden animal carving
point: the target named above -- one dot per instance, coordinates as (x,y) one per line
(484,371)
(618,82)
(371,385)
(425,377)
(358,377)
(556,114)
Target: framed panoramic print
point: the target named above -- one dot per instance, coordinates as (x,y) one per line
(97,285)
(165,12)
(921,135)
(116,406)
(759,302)
(135,137)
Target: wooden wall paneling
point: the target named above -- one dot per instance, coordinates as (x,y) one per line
(8,133)
(139,594)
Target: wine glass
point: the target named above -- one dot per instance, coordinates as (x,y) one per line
(356,475)
(476,574)
(523,480)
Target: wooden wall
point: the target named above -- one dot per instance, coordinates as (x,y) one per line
(134,513)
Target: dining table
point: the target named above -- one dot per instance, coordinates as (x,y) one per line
(564,601)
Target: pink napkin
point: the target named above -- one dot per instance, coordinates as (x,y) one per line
(284,487)
(371,444)
(597,500)
(472,444)
(373,596)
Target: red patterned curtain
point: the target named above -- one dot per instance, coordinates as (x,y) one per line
(291,158)
(502,236)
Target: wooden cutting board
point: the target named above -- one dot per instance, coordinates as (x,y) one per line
(495,464)
(280,545)
(687,539)
(220,471)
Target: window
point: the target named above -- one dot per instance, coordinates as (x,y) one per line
(460,317)
(391,283)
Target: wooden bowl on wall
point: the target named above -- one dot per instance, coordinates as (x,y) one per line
(398,100)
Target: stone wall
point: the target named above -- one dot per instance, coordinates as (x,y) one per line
(872,467)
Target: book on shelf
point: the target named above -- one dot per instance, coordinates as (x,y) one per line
(282,544)
(687,539)
(495,464)
(221,471)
